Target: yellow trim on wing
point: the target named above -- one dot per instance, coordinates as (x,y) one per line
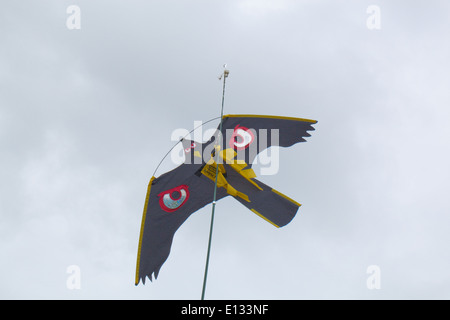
(260,215)
(286,197)
(142,230)
(266,116)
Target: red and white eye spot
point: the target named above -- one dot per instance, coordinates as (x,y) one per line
(188,149)
(173,199)
(241,138)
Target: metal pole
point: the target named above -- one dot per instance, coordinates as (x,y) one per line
(219,136)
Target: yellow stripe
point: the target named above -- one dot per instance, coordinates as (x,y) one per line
(259,214)
(142,230)
(265,116)
(286,197)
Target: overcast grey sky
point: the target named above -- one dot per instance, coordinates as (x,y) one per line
(87,114)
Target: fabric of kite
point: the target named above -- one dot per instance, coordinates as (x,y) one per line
(175,195)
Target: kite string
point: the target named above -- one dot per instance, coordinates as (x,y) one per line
(159,164)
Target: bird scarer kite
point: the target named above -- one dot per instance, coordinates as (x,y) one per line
(222,164)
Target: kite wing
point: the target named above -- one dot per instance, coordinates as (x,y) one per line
(266,202)
(171,199)
(249,135)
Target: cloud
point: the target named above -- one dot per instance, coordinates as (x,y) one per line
(86,115)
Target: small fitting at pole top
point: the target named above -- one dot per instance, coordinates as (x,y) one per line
(225,73)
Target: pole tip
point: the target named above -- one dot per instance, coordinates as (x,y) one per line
(225,72)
